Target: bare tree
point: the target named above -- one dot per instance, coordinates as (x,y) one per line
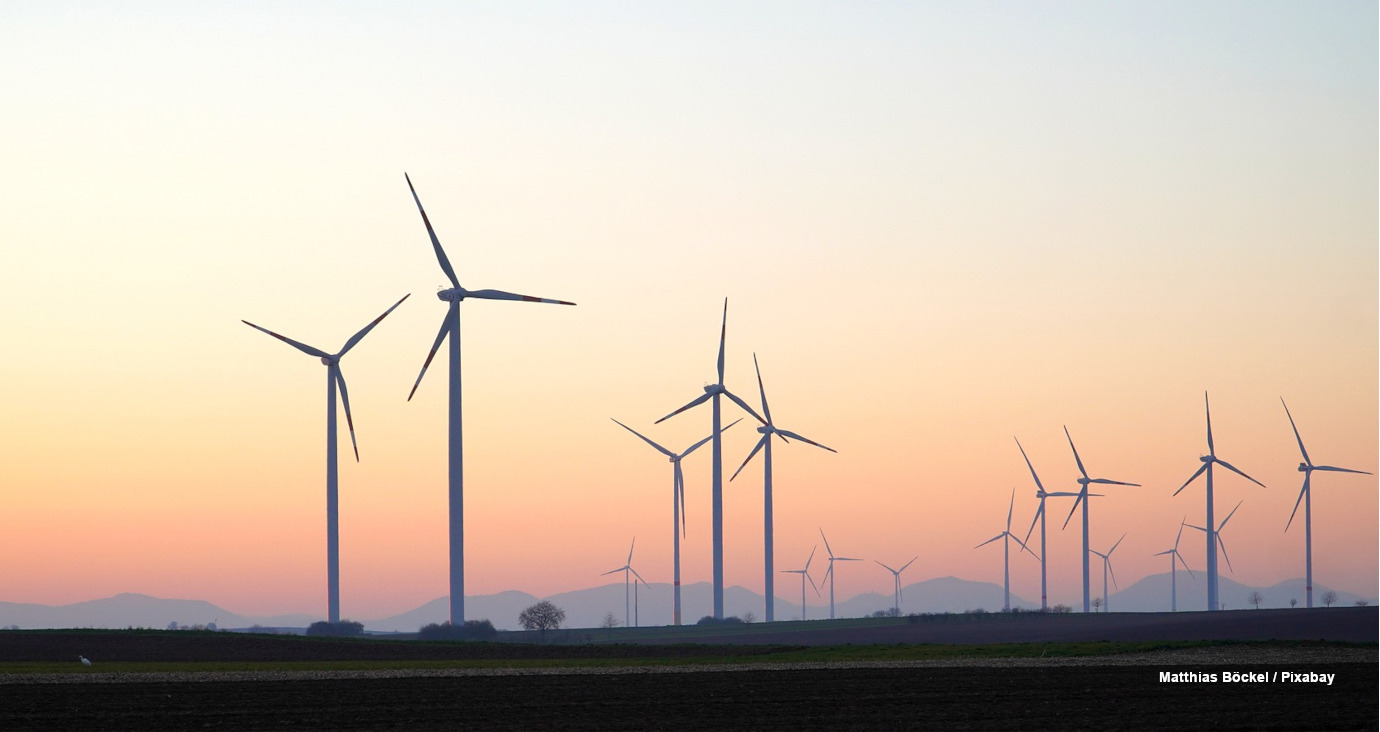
(1255,599)
(1293,602)
(1097,604)
(1361,603)
(1329,597)
(542,617)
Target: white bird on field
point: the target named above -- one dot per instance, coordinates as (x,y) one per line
(84,660)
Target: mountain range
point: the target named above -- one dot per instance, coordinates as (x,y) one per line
(588,608)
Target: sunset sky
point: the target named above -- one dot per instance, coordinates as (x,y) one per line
(939,225)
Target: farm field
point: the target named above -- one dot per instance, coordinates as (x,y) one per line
(178,680)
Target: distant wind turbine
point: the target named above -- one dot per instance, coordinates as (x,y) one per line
(896,583)
(333,379)
(677,502)
(1306,496)
(804,573)
(767,431)
(450,326)
(1208,460)
(1040,517)
(1007,536)
(1218,536)
(1175,556)
(829,573)
(1107,567)
(717,451)
(1083,497)
(625,569)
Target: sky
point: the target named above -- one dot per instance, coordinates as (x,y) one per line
(938,225)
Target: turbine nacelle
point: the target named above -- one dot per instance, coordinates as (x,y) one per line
(1206,458)
(330,360)
(1305,467)
(451,294)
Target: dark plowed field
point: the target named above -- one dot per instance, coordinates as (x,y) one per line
(854,698)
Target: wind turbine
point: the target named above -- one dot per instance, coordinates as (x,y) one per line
(1206,467)
(896,577)
(829,573)
(1306,496)
(625,569)
(805,575)
(767,431)
(1040,517)
(1107,567)
(1175,556)
(450,326)
(333,379)
(1083,497)
(713,391)
(677,501)
(1006,553)
(1218,535)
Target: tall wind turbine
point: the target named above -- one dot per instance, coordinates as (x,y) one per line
(713,391)
(804,573)
(896,579)
(333,378)
(1208,461)
(677,502)
(450,326)
(1175,557)
(1007,536)
(1217,534)
(829,573)
(1107,567)
(1040,517)
(767,431)
(625,569)
(1083,497)
(1306,495)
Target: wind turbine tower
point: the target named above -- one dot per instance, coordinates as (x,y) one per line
(1007,536)
(1217,536)
(625,569)
(1107,567)
(1306,495)
(713,392)
(767,431)
(896,584)
(1175,558)
(450,326)
(1208,460)
(829,573)
(333,378)
(805,575)
(1040,517)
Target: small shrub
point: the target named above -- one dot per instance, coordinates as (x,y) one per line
(472,630)
(711,620)
(342,629)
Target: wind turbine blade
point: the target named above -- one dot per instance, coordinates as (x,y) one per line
(1208,408)
(1010,509)
(1028,465)
(1117,544)
(501,295)
(805,440)
(1023,546)
(827,572)
(755,450)
(1332,469)
(762,389)
(1185,563)
(989,541)
(723,335)
(889,569)
(345,399)
(1223,544)
(722,430)
(635,574)
(435,243)
(696,402)
(907,564)
(663,450)
(812,557)
(1228,518)
(1233,469)
(304,348)
(812,584)
(445,329)
(611,571)
(1076,501)
(1111,482)
(1180,534)
(1075,453)
(744,405)
(630,551)
(1112,571)
(1202,468)
(826,544)
(356,337)
(1038,512)
(679,478)
(1296,433)
(1297,502)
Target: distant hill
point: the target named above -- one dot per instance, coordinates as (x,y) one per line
(587,608)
